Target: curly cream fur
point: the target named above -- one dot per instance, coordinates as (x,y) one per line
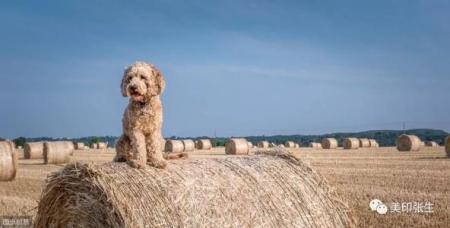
(141,140)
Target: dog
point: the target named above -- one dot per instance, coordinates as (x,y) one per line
(141,141)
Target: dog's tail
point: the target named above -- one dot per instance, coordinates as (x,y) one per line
(172,156)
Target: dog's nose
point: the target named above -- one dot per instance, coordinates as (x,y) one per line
(133,87)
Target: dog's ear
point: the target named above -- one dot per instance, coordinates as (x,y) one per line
(159,81)
(123,84)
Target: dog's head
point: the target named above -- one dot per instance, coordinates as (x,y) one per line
(142,80)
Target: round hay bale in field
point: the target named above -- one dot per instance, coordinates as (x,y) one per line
(8,161)
(244,191)
(34,150)
(237,146)
(282,146)
(363,142)
(350,143)
(431,144)
(204,144)
(56,152)
(188,145)
(408,143)
(250,145)
(102,145)
(329,143)
(163,144)
(289,144)
(315,145)
(373,143)
(447,145)
(79,146)
(94,146)
(70,146)
(174,146)
(297,145)
(263,144)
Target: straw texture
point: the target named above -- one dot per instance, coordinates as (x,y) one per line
(236,146)
(79,146)
(34,150)
(8,161)
(363,142)
(431,144)
(245,191)
(373,143)
(204,144)
(263,144)
(102,145)
(289,144)
(350,143)
(447,145)
(188,145)
(329,143)
(408,143)
(315,145)
(56,152)
(174,146)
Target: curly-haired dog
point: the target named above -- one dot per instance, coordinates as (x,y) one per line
(141,141)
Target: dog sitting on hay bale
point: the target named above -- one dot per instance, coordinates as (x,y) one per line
(140,143)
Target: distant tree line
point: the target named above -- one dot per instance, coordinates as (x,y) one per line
(383,137)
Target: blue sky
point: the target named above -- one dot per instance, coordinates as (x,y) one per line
(234,67)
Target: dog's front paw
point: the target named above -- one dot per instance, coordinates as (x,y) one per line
(135,164)
(118,158)
(160,164)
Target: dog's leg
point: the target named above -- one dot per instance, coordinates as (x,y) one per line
(139,157)
(123,149)
(154,153)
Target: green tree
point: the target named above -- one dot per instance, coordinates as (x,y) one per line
(20,141)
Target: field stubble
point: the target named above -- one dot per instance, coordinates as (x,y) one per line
(358,176)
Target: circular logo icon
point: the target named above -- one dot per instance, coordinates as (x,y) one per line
(382,209)
(374,204)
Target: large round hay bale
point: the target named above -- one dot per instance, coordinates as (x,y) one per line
(350,143)
(297,145)
(431,144)
(56,152)
(250,145)
(244,191)
(188,145)
(263,144)
(315,145)
(8,161)
(236,146)
(102,145)
(329,143)
(373,143)
(34,150)
(70,146)
(363,142)
(204,144)
(408,143)
(447,145)
(79,145)
(174,146)
(289,144)
(94,146)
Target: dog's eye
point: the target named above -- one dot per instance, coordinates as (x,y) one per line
(142,77)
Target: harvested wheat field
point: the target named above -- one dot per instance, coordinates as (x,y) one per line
(357,176)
